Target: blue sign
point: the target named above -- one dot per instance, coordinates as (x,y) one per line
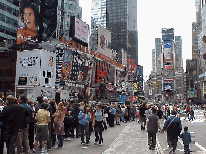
(167,44)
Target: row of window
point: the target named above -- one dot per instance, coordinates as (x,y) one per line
(5,30)
(8,9)
(8,20)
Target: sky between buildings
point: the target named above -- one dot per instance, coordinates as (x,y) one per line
(152,16)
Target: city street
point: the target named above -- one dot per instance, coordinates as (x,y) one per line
(128,138)
(197,126)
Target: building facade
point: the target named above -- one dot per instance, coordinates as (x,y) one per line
(8,22)
(121,20)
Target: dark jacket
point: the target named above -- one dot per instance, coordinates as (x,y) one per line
(167,122)
(37,107)
(142,111)
(152,124)
(159,113)
(186,137)
(28,108)
(14,118)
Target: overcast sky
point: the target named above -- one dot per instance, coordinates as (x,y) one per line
(152,16)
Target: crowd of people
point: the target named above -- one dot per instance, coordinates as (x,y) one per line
(166,119)
(29,126)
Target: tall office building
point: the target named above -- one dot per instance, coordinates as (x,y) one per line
(8,21)
(98,13)
(178,53)
(121,20)
(56,17)
(178,67)
(158,48)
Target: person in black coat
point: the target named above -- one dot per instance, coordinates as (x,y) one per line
(13,117)
(52,110)
(142,116)
(74,113)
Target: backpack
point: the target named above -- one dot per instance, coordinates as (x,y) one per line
(173,129)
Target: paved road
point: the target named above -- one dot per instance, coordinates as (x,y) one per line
(197,126)
(127,138)
(74,146)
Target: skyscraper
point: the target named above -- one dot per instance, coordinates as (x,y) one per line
(56,17)
(121,20)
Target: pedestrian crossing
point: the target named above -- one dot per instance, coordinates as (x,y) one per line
(199,117)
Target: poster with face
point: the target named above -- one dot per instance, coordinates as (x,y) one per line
(28,26)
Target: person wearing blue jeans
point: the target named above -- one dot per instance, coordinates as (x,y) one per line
(186,138)
(84,118)
(60,139)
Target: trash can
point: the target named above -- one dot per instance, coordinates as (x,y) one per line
(192,144)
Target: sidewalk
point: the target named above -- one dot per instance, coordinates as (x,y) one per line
(130,140)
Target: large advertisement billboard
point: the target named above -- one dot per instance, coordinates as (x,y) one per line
(168,87)
(36,67)
(167,34)
(28,68)
(79,30)
(167,44)
(28,23)
(67,66)
(168,51)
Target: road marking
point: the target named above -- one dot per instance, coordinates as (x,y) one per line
(197,145)
(159,148)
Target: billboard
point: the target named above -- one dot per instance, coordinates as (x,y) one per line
(28,68)
(48,69)
(36,67)
(28,23)
(168,67)
(167,55)
(67,66)
(79,30)
(167,44)
(168,87)
(167,34)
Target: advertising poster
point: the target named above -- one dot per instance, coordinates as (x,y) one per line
(28,23)
(28,68)
(167,44)
(67,66)
(76,62)
(135,86)
(168,67)
(102,71)
(168,87)
(81,30)
(167,53)
(48,69)
(90,70)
